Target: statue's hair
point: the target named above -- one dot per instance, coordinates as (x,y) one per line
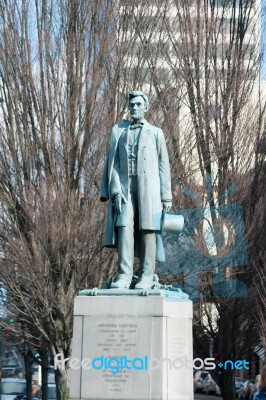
(136,93)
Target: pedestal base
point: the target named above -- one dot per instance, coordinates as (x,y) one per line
(131,348)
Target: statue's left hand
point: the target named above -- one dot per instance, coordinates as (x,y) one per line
(167,205)
(119,198)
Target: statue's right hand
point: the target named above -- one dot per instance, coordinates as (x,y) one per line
(118,198)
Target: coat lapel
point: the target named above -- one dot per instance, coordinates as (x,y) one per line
(124,137)
(143,134)
(119,129)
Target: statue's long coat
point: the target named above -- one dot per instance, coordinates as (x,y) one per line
(154,181)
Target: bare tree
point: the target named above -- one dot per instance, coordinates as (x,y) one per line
(215,59)
(55,99)
(62,75)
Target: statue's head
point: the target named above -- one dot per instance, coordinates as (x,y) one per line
(138,104)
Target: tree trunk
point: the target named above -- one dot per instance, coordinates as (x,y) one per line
(61,384)
(28,373)
(44,363)
(227,385)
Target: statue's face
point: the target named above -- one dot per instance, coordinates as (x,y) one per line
(137,108)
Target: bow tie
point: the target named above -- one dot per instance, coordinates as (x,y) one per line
(136,125)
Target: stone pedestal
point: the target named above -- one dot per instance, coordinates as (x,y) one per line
(131,348)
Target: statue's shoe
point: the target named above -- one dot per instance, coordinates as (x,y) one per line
(120,284)
(143,284)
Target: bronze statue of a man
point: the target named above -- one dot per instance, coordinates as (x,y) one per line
(137,183)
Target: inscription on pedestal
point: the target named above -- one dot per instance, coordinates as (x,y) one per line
(179,344)
(118,350)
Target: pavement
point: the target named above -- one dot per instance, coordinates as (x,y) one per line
(200,396)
